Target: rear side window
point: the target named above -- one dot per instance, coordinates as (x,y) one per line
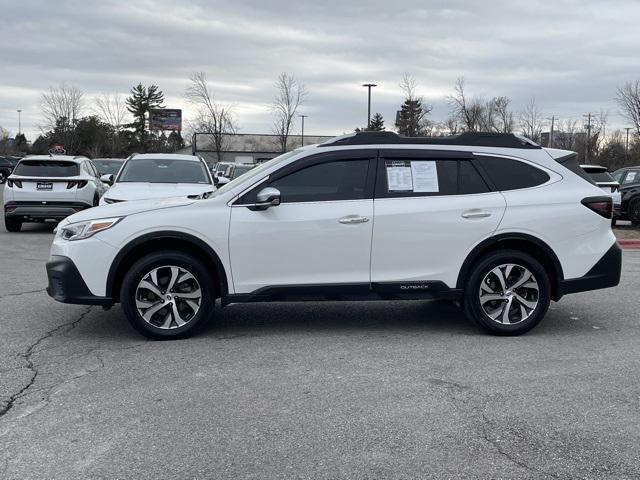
(46,168)
(507,174)
(417,177)
(339,180)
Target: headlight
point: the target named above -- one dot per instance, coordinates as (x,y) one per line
(80,230)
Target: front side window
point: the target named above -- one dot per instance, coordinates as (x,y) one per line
(633,176)
(153,170)
(508,174)
(336,180)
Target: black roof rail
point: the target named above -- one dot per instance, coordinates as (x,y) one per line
(475,139)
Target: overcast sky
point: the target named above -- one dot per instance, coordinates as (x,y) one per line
(568,54)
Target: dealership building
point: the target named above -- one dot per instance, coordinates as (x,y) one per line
(246,147)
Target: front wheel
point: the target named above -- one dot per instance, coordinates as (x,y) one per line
(167,295)
(507,293)
(634,212)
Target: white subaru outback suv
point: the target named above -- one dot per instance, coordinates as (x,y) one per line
(53,187)
(490,220)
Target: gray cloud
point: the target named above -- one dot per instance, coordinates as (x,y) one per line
(568,54)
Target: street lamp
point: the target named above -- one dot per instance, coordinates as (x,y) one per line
(302,117)
(19,122)
(369,86)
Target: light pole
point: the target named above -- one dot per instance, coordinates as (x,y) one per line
(369,86)
(626,145)
(302,139)
(19,122)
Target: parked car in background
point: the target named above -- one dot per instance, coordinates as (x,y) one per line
(629,179)
(491,220)
(603,179)
(232,172)
(50,187)
(108,166)
(158,175)
(7,164)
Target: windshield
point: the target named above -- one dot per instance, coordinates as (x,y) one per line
(241,170)
(46,168)
(163,170)
(257,171)
(107,167)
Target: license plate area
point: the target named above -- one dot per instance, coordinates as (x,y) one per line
(44,186)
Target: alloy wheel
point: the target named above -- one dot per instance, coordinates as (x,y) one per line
(168,297)
(509,294)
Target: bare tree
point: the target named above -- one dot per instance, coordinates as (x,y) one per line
(112,109)
(468,112)
(532,122)
(62,104)
(290,95)
(503,118)
(566,134)
(628,99)
(212,117)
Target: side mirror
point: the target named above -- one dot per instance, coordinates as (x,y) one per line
(108,179)
(223,181)
(267,197)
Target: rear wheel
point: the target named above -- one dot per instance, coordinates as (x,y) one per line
(167,295)
(13,223)
(507,293)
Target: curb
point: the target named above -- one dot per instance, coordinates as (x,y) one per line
(630,243)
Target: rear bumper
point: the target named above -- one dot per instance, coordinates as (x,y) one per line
(66,285)
(604,274)
(54,210)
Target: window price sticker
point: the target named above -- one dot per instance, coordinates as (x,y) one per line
(418,176)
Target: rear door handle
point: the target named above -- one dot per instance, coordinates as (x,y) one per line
(349,219)
(476,214)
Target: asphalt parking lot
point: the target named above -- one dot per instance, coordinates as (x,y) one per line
(315,390)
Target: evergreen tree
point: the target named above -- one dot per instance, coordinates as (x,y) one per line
(377,123)
(410,118)
(175,141)
(20,143)
(142,100)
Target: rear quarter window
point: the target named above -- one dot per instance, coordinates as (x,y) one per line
(46,168)
(508,174)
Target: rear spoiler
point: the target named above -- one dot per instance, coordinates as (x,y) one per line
(569,160)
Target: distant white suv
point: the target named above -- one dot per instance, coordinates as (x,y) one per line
(45,187)
(158,175)
(490,220)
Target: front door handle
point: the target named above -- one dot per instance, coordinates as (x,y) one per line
(475,214)
(349,219)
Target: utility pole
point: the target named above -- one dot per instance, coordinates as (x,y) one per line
(20,122)
(302,139)
(369,86)
(626,145)
(553,120)
(586,146)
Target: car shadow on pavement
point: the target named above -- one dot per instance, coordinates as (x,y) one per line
(293,318)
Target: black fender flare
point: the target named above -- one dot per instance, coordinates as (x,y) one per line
(198,243)
(496,240)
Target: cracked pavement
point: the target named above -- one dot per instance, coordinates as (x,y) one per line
(313,390)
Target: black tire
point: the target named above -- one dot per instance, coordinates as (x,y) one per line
(634,212)
(613,222)
(164,260)
(480,273)
(13,224)
(96,200)
(3,178)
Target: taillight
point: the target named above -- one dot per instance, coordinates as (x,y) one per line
(601,205)
(11,183)
(76,183)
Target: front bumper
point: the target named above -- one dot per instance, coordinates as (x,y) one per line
(604,274)
(66,285)
(43,210)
